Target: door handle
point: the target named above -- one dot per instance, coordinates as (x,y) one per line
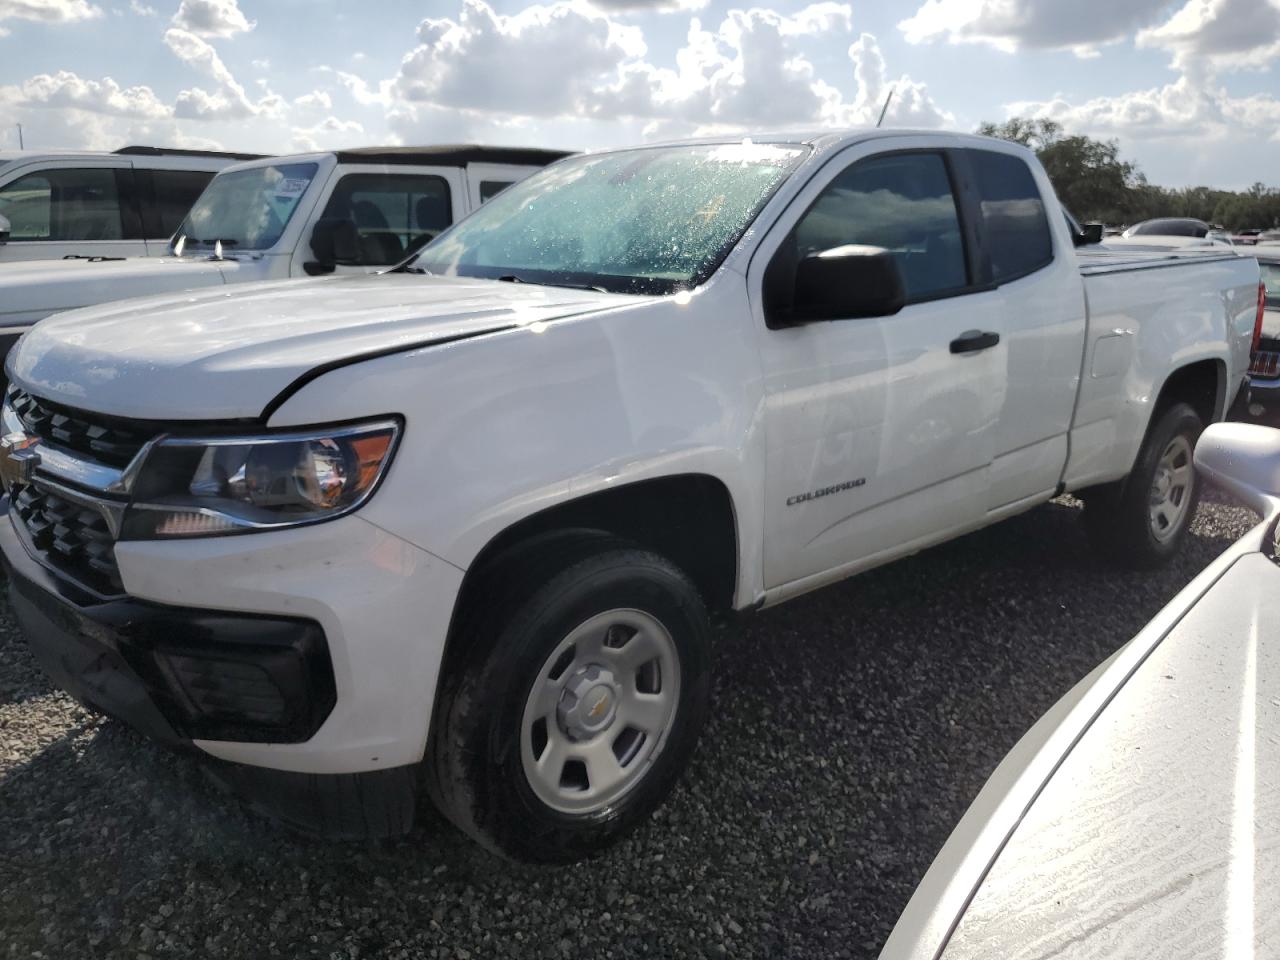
(971,341)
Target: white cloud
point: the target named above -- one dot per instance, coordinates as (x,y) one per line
(361,91)
(229,101)
(141,9)
(1210,36)
(64,110)
(751,71)
(1009,25)
(329,134)
(66,90)
(650,6)
(543,60)
(212,18)
(316,99)
(1174,111)
(1204,38)
(48,11)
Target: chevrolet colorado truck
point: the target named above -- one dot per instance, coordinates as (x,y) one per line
(460,529)
(348,211)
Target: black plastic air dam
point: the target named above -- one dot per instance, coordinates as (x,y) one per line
(208,674)
(118,657)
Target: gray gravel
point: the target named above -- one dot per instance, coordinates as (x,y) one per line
(850,730)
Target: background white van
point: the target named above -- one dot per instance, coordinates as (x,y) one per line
(121,204)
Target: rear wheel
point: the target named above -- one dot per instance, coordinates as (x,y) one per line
(577,704)
(1143,520)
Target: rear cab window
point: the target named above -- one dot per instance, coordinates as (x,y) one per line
(1014,221)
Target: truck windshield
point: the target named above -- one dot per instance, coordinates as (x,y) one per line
(247,209)
(650,220)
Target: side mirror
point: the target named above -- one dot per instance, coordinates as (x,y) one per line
(1089,233)
(5,227)
(1244,458)
(848,282)
(333,241)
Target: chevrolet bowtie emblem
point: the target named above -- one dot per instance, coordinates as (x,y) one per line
(18,459)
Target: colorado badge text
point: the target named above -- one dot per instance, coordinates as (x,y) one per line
(825,491)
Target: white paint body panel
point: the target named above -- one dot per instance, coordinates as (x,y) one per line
(543,395)
(1138,817)
(384,606)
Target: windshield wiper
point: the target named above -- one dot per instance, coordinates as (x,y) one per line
(225,241)
(512,278)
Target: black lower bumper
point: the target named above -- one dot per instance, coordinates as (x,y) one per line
(178,674)
(174,673)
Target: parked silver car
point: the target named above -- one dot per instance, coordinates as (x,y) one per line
(1140,817)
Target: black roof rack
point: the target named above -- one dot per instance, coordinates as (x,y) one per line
(141,151)
(451,155)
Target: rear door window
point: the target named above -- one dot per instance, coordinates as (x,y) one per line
(901,202)
(1013,215)
(66,205)
(394,214)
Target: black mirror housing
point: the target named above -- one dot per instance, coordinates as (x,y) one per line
(847,282)
(334,241)
(1089,233)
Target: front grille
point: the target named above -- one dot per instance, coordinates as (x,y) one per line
(101,438)
(71,538)
(1265,364)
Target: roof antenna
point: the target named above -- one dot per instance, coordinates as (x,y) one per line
(885,108)
(21,145)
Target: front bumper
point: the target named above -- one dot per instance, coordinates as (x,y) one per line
(347,621)
(174,673)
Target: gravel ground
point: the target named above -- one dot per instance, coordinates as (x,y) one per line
(850,730)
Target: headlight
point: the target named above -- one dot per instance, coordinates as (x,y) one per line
(192,487)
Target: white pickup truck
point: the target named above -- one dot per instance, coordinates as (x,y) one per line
(349,211)
(462,527)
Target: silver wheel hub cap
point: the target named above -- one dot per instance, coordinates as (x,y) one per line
(599,711)
(1170,497)
(589,703)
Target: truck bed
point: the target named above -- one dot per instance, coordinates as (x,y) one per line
(1103,259)
(1135,325)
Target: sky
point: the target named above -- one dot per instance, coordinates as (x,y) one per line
(1186,87)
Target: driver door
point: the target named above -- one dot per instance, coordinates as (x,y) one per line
(879,431)
(396,210)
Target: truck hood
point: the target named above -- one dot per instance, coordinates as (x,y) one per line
(226,354)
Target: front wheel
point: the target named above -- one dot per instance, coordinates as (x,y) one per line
(578,705)
(1143,520)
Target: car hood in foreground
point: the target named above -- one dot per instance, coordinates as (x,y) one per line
(1159,834)
(224,354)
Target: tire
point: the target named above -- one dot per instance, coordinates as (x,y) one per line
(1121,518)
(512,710)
